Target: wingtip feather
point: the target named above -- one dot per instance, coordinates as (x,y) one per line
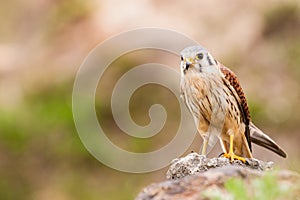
(261,139)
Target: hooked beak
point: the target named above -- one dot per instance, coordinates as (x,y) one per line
(187,65)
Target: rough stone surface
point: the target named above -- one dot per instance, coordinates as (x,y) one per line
(194,175)
(195,164)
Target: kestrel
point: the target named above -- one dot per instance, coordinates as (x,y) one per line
(214,96)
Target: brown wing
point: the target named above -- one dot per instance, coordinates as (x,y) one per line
(241,99)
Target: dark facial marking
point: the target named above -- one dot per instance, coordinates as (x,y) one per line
(216,61)
(209,60)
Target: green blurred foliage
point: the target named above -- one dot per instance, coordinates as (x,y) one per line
(266,187)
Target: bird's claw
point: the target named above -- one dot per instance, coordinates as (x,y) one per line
(233,157)
(221,154)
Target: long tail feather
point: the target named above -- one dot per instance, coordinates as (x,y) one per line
(261,139)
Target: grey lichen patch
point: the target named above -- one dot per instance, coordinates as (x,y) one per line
(194,163)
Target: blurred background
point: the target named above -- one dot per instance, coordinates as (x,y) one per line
(43,43)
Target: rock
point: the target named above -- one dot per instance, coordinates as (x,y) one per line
(195,164)
(197,177)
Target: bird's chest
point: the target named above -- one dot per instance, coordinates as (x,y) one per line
(205,95)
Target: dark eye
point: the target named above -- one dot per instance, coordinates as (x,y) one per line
(181,58)
(199,56)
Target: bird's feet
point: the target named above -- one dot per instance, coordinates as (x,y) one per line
(233,157)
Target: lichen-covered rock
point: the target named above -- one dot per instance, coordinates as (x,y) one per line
(194,163)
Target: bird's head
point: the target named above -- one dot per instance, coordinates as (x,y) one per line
(196,59)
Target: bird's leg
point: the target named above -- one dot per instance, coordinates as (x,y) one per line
(205,142)
(203,130)
(231,154)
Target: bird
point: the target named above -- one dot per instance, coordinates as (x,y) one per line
(214,96)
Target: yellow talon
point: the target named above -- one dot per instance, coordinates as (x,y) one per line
(231,155)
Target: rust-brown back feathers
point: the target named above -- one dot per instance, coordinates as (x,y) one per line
(233,82)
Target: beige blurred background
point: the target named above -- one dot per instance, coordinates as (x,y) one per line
(43,43)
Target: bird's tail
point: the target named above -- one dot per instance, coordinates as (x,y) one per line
(261,139)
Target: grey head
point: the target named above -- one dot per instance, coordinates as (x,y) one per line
(197,59)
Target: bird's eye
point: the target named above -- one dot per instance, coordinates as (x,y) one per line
(199,56)
(181,58)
